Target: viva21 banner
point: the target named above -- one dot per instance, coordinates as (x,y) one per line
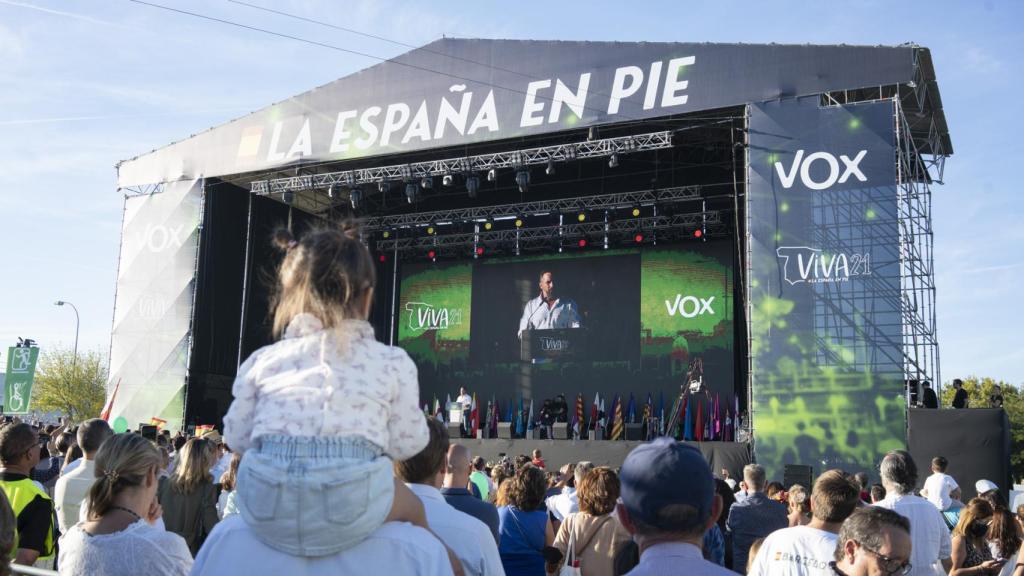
(824,285)
(21,370)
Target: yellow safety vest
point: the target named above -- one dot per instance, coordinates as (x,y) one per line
(21,493)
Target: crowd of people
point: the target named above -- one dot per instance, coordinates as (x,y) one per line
(334,469)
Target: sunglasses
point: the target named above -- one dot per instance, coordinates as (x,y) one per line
(891,566)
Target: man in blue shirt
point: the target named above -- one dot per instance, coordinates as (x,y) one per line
(455,492)
(756,516)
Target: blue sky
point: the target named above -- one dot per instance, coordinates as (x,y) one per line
(86,83)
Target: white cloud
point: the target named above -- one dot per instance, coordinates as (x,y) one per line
(981,61)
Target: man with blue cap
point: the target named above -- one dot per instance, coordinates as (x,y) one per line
(668,501)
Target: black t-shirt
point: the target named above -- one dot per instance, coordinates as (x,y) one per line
(995,400)
(930,400)
(960,399)
(35,522)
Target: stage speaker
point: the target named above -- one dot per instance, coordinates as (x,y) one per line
(561,430)
(454,429)
(505,430)
(798,474)
(634,431)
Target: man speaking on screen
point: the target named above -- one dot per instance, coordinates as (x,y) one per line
(547,310)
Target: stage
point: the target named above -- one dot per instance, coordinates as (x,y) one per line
(730,455)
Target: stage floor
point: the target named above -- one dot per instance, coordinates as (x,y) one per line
(732,456)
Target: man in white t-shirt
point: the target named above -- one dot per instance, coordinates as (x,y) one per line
(939,486)
(807,550)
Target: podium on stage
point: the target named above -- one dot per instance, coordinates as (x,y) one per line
(553,344)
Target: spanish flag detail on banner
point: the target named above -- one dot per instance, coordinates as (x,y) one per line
(203,429)
(158,422)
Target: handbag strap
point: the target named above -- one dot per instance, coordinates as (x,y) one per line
(600,525)
(512,513)
(570,551)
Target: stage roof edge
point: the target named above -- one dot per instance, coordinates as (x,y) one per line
(455,92)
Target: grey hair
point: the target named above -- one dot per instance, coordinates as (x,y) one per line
(899,470)
(754,476)
(582,467)
(864,527)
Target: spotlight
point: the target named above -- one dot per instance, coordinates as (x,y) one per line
(382,258)
(523,180)
(472,185)
(410,192)
(492,175)
(427,182)
(288,197)
(386,234)
(550,170)
(430,230)
(488,225)
(432,255)
(698,233)
(355,197)
(332,191)
(582,217)
(636,211)
(383,187)
(519,223)
(582,243)
(613,162)
(479,250)
(448,180)
(639,238)
(592,133)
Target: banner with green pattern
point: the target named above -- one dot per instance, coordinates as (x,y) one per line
(824,286)
(21,370)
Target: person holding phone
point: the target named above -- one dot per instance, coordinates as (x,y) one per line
(971,553)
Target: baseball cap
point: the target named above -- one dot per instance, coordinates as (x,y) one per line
(982,486)
(663,473)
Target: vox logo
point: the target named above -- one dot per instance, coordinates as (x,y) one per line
(801,166)
(689,306)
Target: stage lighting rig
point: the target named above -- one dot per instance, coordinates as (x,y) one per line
(613,162)
(288,197)
(383,187)
(492,175)
(550,170)
(332,191)
(447,180)
(472,185)
(410,192)
(355,197)
(427,182)
(523,180)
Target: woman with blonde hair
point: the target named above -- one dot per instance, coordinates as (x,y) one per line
(971,554)
(188,496)
(226,505)
(799,506)
(595,533)
(120,536)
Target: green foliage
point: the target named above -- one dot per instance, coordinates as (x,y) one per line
(978,392)
(76,389)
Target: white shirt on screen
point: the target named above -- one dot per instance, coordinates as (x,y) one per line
(538,315)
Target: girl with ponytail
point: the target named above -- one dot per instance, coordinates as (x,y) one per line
(321,413)
(120,536)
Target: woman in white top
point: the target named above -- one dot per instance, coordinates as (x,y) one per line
(120,538)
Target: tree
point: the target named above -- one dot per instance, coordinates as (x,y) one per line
(978,391)
(76,389)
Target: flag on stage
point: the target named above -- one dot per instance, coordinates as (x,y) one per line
(631,410)
(661,413)
(529,419)
(648,410)
(610,418)
(602,419)
(105,413)
(474,418)
(593,411)
(580,416)
(718,418)
(699,432)
(618,428)
(437,408)
(687,430)
(510,414)
(447,401)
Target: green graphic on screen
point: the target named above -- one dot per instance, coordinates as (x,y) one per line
(434,312)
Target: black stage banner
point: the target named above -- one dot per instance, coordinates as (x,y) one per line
(824,282)
(459,91)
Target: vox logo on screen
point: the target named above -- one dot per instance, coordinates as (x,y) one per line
(826,169)
(690,306)
(423,316)
(802,264)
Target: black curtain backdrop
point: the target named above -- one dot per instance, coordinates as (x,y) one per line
(976,442)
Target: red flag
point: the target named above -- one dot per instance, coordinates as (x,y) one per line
(105,414)
(474,418)
(158,422)
(700,421)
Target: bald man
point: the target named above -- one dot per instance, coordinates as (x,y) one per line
(456,493)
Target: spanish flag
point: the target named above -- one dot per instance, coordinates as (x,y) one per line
(158,422)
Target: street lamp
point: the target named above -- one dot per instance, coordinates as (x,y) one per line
(74,361)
